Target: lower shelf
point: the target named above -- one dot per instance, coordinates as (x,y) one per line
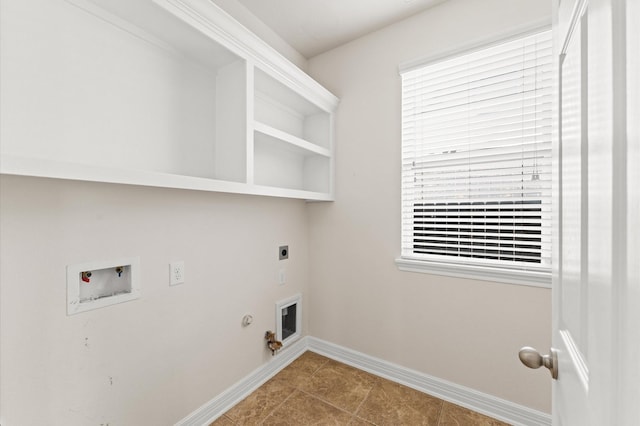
(281,164)
(20,166)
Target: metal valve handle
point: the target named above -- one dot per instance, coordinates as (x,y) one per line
(532,359)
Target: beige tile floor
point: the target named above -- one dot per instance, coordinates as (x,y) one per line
(315,390)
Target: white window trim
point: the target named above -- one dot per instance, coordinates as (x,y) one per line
(476,272)
(469,270)
(514,33)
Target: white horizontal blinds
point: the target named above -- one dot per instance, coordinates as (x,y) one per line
(476,156)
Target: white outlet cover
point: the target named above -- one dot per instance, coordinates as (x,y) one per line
(176,273)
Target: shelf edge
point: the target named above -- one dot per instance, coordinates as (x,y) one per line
(51,169)
(291,139)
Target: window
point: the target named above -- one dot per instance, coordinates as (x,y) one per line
(476,160)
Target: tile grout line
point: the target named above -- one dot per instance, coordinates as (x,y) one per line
(278,406)
(355,413)
(319,398)
(325,401)
(440,412)
(227,417)
(320,367)
(294,389)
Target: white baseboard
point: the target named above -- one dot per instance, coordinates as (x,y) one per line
(236,393)
(489,405)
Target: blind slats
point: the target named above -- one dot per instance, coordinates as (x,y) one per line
(476,156)
(517,55)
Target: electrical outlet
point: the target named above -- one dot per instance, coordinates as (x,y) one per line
(283,252)
(176,271)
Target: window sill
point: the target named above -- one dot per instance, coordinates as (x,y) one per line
(477,272)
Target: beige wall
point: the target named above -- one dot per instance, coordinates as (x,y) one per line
(153,360)
(464,331)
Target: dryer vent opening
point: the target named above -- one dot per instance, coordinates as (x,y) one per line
(289,319)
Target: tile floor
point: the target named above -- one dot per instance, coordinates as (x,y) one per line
(315,390)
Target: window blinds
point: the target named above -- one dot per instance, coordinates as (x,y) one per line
(476,156)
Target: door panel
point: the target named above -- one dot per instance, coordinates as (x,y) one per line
(572,333)
(596,270)
(573,141)
(630,324)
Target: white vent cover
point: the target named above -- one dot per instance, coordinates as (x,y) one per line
(289,319)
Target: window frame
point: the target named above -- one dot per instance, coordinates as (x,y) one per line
(467,268)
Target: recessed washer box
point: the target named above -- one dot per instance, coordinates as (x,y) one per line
(94,285)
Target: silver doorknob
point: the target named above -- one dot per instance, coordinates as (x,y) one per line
(532,359)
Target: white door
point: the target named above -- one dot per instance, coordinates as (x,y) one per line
(596,281)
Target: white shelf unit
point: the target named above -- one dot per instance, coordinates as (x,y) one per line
(158,93)
(292,138)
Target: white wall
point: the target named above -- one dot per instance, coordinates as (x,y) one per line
(153,360)
(465,331)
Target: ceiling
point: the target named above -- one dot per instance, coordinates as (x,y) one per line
(315,26)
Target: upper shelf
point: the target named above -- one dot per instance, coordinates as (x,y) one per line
(207,17)
(167,93)
(152,21)
(305,146)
